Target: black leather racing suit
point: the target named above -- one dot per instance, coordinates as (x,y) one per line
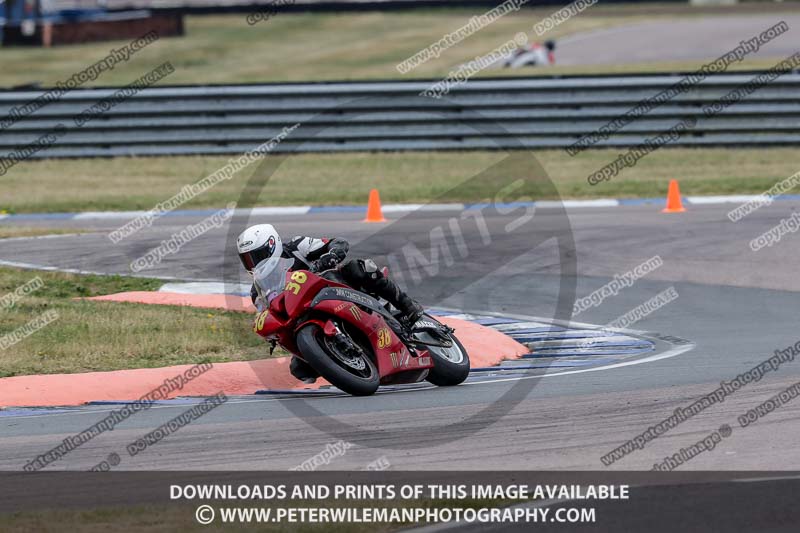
(362,274)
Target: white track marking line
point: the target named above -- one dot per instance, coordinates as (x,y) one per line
(288,210)
(576,204)
(568,323)
(209,287)
(389,208)
(731,199)
(760,479)
(32,266)
(400,208)
(107,215)
(50,236)
(665,355)
(655,357)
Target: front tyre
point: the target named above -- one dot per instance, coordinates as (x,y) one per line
(350,369)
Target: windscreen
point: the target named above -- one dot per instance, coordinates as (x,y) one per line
(269,277)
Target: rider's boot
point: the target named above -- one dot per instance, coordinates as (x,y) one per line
(411,309)
(303,371)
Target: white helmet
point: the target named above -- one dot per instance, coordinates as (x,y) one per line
(257,243)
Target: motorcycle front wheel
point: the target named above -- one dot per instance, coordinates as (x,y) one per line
(349,368)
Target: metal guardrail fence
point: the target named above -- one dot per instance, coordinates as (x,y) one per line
(482,114)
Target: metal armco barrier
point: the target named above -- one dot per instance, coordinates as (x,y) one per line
(545,112)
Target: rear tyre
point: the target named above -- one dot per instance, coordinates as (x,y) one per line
(356,375)
(445,372)
(451,365)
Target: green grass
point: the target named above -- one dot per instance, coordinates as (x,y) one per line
(98,336)
(303,47)
(224,49)
(320,179)
(7,232)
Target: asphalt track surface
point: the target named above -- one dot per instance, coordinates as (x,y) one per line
(738,306)
(684,39)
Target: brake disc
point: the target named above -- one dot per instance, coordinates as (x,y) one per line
(356,361)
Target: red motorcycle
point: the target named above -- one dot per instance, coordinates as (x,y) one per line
(349,337)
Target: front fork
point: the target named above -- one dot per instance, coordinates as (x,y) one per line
(331,329)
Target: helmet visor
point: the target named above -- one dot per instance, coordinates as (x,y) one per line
(252,258)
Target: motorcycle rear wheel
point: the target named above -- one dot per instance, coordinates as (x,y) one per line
(311,342)
(450,365)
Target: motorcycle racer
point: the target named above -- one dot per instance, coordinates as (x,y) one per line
(262,241)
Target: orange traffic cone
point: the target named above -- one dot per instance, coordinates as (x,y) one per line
(674,203)
(374,213)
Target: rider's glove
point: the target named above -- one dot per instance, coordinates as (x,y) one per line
(325,262)
(338,254)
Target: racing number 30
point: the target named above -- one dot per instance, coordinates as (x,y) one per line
(298,278)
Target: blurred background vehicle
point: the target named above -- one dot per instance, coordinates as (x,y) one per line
(532,55)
